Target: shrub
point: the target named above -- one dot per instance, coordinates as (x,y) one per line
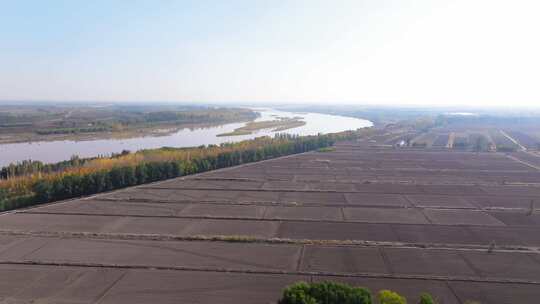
(3,194)
(326,149)
(426,298)
(390,297)
(325,293)
(506,149)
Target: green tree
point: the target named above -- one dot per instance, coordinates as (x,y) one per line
(43,190)
(426,298)
(325,293)
(3,194)
(140,173)
(391,297)
(129,176)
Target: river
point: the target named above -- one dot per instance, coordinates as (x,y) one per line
(54,151)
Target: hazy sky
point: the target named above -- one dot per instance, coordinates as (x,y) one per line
(393,52)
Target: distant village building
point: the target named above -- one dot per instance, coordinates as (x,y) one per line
(401,144)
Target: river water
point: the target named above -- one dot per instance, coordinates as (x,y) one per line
(54,151)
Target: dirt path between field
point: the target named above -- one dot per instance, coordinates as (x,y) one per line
(513,140)
(523,162)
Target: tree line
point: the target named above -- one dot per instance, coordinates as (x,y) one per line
(328,292)
(30,167)
(74,130)
(30,183)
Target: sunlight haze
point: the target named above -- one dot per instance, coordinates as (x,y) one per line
(472,52)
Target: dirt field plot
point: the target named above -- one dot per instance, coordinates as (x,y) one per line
(515,191)
(385,215)
(303,171)
(113,208)
(495,293)
(304,213)
(319,178)
(232,211)
(57,223)
(433,262)
(256,176)
(331,186)
(6,241)
(386,188)
(166,195)
(507,202)
(30,284)
(220,195)
(435,234)
(378,200)
(145,194)
(343,260)
(285,185)
(452,190)
(202,183)
(257,196)
(440,201)
(258,229)
(517,236)
(201,255)
(312,198)
(155,226)
(502,265)
(461,217)
(364,178)
(517,219)
(157,286)
(336,231)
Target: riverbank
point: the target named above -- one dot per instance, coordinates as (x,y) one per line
(153,131)
(45,123)
(190,136)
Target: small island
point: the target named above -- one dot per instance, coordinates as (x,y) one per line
(280,124)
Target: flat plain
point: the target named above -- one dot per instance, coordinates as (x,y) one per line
(460,225)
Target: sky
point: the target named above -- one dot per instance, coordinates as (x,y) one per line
(383,52)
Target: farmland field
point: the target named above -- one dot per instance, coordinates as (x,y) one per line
(460,225)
